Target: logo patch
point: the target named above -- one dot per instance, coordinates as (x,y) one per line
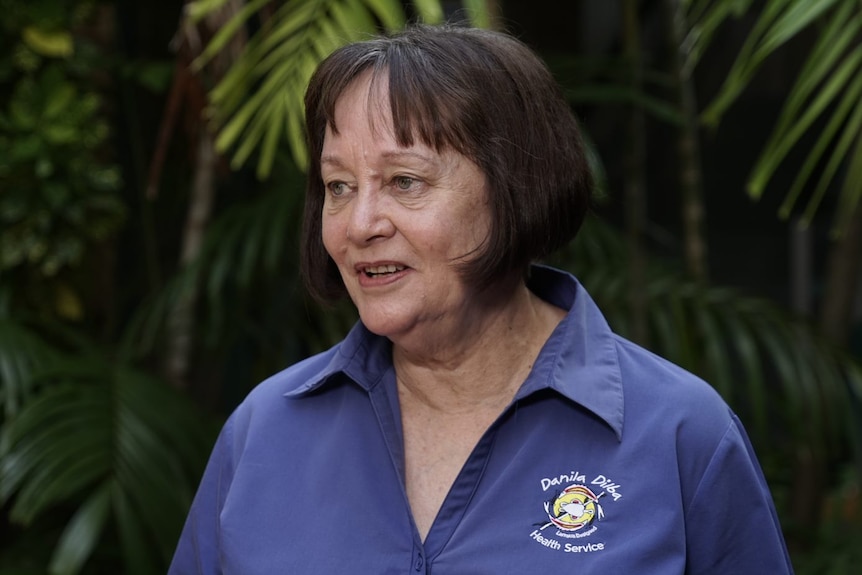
(574,511)
(574,508)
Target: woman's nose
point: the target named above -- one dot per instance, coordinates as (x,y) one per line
(369,217)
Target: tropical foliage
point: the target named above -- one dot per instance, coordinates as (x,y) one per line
(260,99)
(749,349)
(58,196)
(827,96)
(100,454)
(100,445)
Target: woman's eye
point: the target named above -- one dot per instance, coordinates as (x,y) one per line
(404,182)
(337,188)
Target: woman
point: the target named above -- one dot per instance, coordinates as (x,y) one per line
(481,417)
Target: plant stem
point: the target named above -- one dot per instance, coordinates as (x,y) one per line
(634,178)
(687,147)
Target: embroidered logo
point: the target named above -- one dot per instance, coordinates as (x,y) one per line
(574,508)
(573,511)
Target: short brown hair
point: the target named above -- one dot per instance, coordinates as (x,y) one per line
(487,96)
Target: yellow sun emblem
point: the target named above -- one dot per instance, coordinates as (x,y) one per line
(575,507)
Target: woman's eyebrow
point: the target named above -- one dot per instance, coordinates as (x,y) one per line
(408,154)
(331,160)
(335,162)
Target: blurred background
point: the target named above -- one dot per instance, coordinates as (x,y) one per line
(151,180)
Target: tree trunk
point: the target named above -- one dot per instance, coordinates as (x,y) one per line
(842,275)
(190,41)
(180,336)
(687,146)
(634,193)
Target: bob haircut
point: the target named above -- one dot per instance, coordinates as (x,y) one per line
(487,96)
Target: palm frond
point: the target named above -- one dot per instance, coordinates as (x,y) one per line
(478,14)
(756,354)
(259,102)
(260,99)
(829,85)
(831,79)
(704,18)
(114,443)
(779,21)
(82,533)
(22,351)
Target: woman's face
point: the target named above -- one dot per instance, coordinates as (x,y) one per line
(397,220)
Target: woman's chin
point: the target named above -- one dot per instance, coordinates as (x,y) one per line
(384,324)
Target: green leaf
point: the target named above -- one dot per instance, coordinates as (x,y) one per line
(747,61)
(296,127)
(389,12)
(82,533)
(58,101)
(431,12)
(780,143)
(704,17)
(353,18)
(260,98)
(227,32)
(22,351)
(798,16)
(288,33)
(839,153)
(199,9)
(837,36)
(716,354)
(327,38)
(53,44)
(745,343)
(138,556)
(746,347)
(96,425)
(796,101)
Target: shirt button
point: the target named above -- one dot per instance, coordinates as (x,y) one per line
(419,563)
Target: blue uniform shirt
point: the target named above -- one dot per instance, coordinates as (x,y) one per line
(608,460)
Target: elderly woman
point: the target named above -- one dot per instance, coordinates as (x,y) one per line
(481,417)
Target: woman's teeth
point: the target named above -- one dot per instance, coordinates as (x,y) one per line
(379,270)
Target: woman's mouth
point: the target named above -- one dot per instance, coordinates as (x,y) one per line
(377,271)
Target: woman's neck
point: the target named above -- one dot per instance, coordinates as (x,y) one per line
(484,363)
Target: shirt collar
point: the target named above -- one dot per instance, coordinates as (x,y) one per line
(362,356)
(579,361)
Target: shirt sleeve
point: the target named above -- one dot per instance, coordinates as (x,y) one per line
(731,524)
(197,552)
